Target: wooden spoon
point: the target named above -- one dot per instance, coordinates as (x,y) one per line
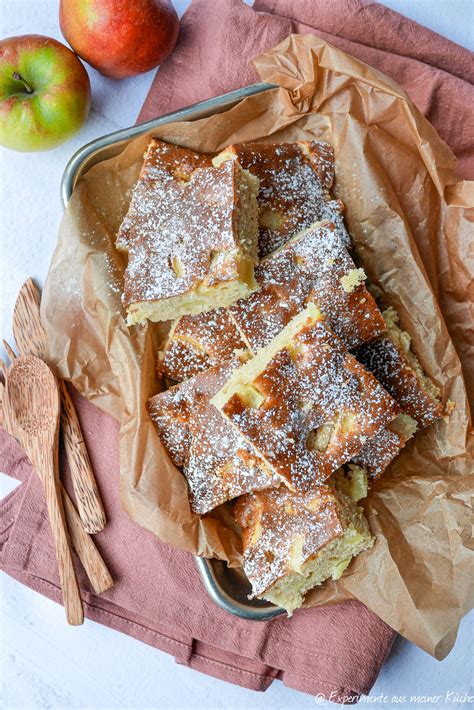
(31,339)
(33,396)
(94,566)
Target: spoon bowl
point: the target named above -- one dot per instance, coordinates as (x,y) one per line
(34,405)
(34,395)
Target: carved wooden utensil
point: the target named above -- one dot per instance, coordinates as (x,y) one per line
(91,559)
(34,404)
(30,337)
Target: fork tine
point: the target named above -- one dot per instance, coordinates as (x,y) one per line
(10,351)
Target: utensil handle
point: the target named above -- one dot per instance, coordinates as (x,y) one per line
(94,565)
(89,503)
(67,574)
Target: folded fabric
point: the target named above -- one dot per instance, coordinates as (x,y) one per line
(214,52)
(159,599)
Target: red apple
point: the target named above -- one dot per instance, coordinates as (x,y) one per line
(44,93)
(120,38)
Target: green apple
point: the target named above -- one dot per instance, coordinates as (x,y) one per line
(44,93)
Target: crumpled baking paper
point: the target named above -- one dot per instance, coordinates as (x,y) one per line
(411,221)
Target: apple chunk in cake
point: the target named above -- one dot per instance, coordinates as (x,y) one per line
(304,403)
(295,181)
(311,267)
(217,462)
(193,245)
(293,542)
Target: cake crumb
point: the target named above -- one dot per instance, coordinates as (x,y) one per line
(353,279)
(448,409)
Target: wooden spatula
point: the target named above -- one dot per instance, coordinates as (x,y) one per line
(34,403)
(30,337)
(90,557)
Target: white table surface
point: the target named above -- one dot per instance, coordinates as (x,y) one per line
(44,663)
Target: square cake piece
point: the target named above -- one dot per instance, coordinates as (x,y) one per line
(314,266)
(217,462)
(192,245)
(163,162)
(292,542)
(295,181)
(397,368)
(304,403)
(198,342)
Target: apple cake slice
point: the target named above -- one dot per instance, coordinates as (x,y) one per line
(192,245)
(216,460)
(293,542)
(295,181)
(304,403)
(394,364)
(313,266)
(198,342)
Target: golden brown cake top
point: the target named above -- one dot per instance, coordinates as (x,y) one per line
(304,403)
(310,267)
(162,162)
(282,530)
(198,342)
(218,463)
(389,363)
(184,234)
(295,179)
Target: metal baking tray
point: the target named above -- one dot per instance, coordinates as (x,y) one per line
(227,587)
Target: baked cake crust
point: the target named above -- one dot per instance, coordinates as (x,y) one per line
(192,245)
(216,460)
(162,162)
(311,266)
(304,403)
(295,181)
(396,367)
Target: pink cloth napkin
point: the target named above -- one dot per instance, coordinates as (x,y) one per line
(336,651)
(158,597)
(215,48)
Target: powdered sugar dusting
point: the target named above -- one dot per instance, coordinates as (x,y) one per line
(310,389)
(379,451)
(295,179)
(218,463)
(196,343)
(274,520)
(162,162)
(182,234)
(308,268)
(389,365)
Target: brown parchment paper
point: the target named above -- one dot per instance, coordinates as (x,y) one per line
(411,221)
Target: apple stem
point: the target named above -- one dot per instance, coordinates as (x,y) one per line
(18,77)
